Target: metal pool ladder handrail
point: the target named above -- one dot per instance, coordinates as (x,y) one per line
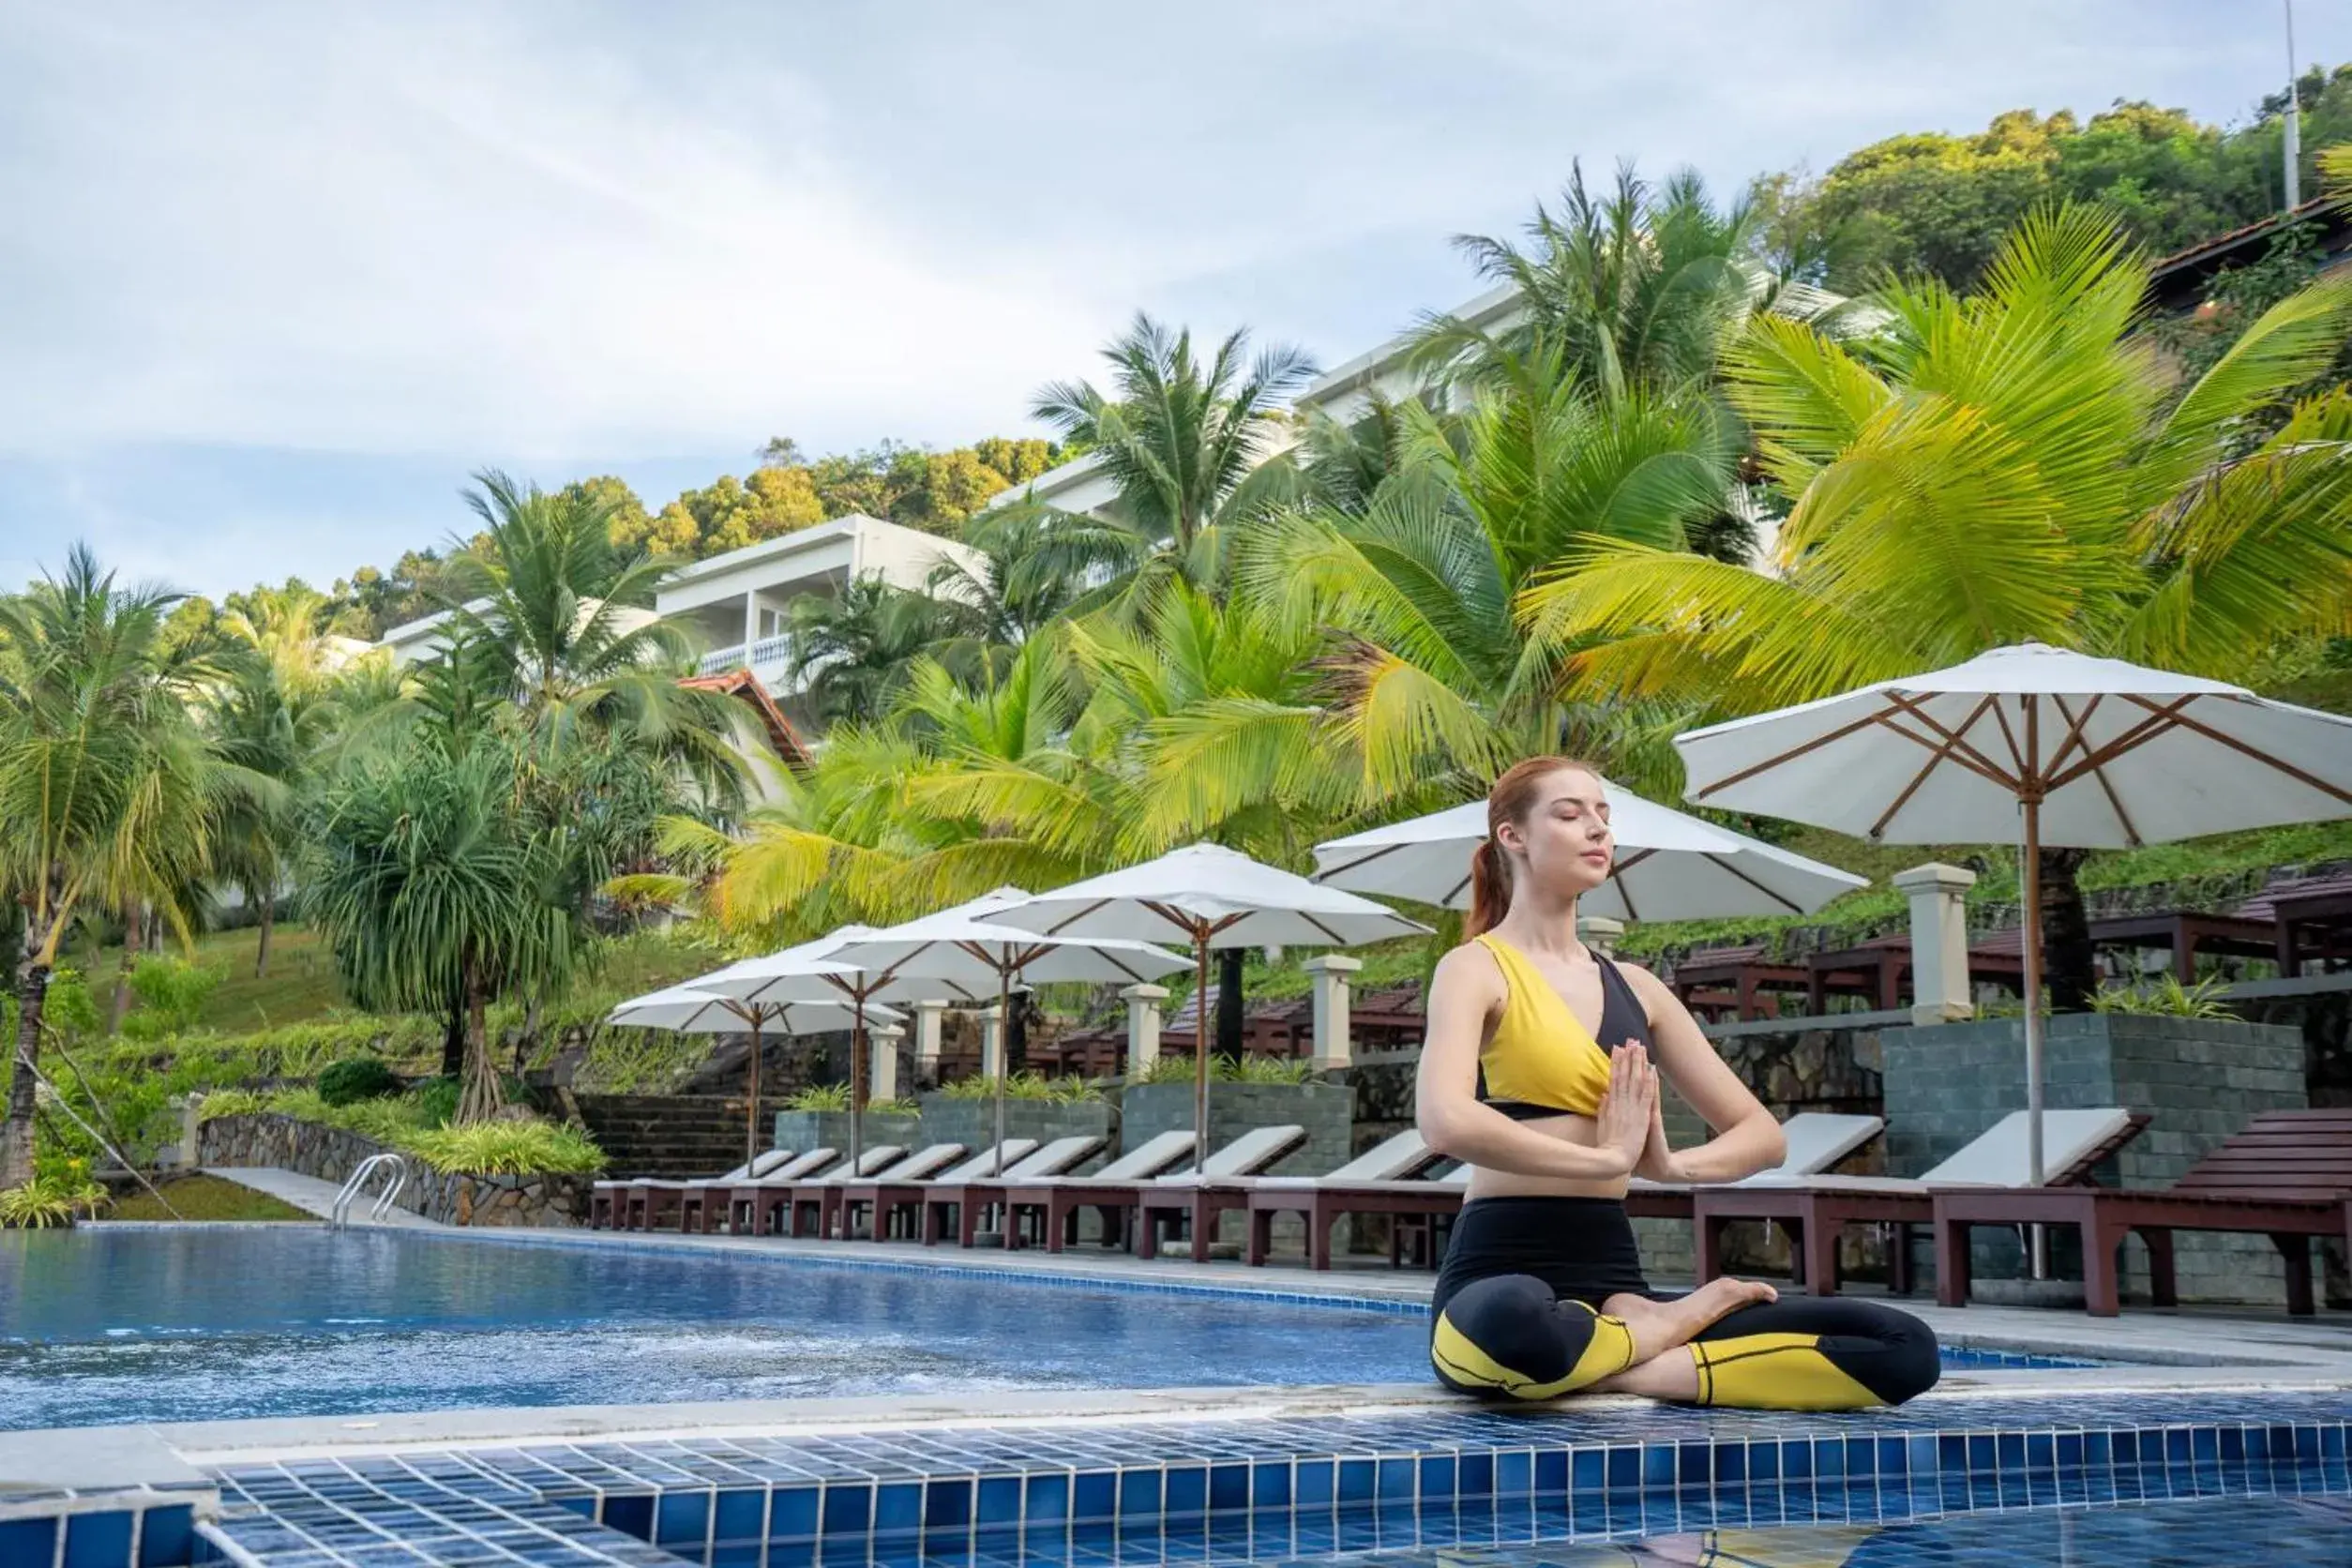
(339,1218)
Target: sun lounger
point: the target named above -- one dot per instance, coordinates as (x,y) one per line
(1321,1202)
(1060,1201)
(980,1197)
(1199,1202)
(1815,1209)
(2286,1175)
(751,1208)
(812,1196)
(640,1203)
(903,1192)
(967,1192)
(845,1195)
(1817,1141)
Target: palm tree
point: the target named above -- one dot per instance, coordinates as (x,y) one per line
(1436,683)
(571,613)
(434,893)
(1186,443)
(1640,287)
(271,715)
(2001,467)
(1035,564)
(851,651)
(107,794)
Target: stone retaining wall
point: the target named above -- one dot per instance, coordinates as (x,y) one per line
(331,1154)
(972,1124)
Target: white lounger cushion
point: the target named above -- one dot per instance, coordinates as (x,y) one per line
(973,1169)
(920,1165)
(1395,1159)
(1994,1158)
(1057,1157)
(1255,1149)
(795,1170)
(1817,1139)
(1141,1164)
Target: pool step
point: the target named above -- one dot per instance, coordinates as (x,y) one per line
(1253,1488)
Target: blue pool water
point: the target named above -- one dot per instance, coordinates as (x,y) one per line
(101,1326)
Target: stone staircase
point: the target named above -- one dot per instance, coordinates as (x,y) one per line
(665,1135)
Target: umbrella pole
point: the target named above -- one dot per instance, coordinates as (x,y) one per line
(751,1109)
(2030,943)
(1201,1049)
(857,1078)
(1004,1055)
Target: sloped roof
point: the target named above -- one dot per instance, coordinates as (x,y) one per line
(745,685)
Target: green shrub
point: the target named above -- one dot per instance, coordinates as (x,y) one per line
(893,1108)
(48,1201)
(820,1096)
(2167,997)
(508,1149)
(1025,1086)
(1224,1069)
(172,994)
(230,1102)
(437,1100)
(361,1078)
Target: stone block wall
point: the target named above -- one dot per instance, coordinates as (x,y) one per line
(2201,1079)
(802,1130)
(1324,1109)
(331,1154)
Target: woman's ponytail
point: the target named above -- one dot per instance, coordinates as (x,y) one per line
(1490,889)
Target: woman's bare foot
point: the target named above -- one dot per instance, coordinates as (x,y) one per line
(1658,1326)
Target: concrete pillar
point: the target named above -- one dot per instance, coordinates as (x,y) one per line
(1144,1005)
(1600,933)
(1941,992)
(928,1017)
(1333,1047)
(883,1080)
(750,624)
(991,1040)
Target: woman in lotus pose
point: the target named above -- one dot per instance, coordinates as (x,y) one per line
(1541,1291)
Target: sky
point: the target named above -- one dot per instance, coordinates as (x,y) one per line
(276,278)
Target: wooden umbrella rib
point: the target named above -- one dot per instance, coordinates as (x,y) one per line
(1616,875)
(2300,775)
(2140,733)
(2076,731)
(1965,751)
(2023,757)
(1936,758)
(1781,898)
(2107,785)
(1383,850)
(1077,915)
(1790,755)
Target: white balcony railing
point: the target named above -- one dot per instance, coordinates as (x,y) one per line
(769,656)
(720,661)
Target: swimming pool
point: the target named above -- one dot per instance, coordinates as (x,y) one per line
(103,1325)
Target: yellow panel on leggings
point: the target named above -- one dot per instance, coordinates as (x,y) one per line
(1460,1361)
(1776,1372)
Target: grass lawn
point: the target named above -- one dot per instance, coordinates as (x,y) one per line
(206,1197)
(301,986)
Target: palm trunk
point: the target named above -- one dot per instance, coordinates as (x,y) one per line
(269,918)
(1229,961)
(2070,974)
(16,1134)
(481,1098)
(134,941)
(453,1038)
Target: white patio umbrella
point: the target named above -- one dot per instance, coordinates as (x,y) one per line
(811,972)
(1213,896)
(1670,866)
(682,1009)
(965,945)
(2061,747)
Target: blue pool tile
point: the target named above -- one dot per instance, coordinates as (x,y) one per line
(1047,1501)
(897,1508)
(1796,1460)
(1188,1490)
(1439,1479)
(1658,1464)
(741,1513)
(1551,1469)
(1315,1483)
(1139,1494)
(1269,1483)
(1228,1487)
(1399,1483)
(165,1535)
(1624,1468)
(947,1503)
(683,1518)
(1000,1501)
(793,1513)
(630,1513)
(99,1540)
(848,1506)
(1358,1483)
(1476,1476)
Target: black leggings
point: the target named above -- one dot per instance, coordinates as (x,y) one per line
(1517,1314)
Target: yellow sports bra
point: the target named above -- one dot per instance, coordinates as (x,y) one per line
(1541,1061)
